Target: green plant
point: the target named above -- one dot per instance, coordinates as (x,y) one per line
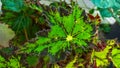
(12,62)
(17,16)
(115,57)
(32,60)
(71,63)
(100,57)
(68,43)
(110,54)
(67,32)
(2,60)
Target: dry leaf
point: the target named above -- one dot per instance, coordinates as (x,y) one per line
(6,34)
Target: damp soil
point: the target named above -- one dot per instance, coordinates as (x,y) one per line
(114,32)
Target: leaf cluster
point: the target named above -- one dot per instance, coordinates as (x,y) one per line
(110,53)
(16,14)
(13,62)
(66,32)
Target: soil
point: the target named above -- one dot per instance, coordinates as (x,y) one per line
(114,33)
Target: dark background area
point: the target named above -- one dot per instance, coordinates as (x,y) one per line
(114,32)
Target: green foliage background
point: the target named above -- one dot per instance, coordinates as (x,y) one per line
(64,35)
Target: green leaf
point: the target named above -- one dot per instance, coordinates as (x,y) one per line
(76,12)
(57,17)
(2,62)
(42,40)
(56,31)
(82,31)
(21,22)
(52,20)
(83,36)
(8,15)
(56,47)
(100,57)
(71,63)
(68,20)
(79,26)
(2,65)
(116,57)
(32,60)
(40,48)
(1,59)
(80,42)
(28,48)
(14,62)
(13,5)
(33,6)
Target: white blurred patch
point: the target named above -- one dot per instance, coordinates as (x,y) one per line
(105,20)
(67,1)
(6,34)
(96,12)
(0,7)
(48,2)
(108,20)
(45,2)
(85,4)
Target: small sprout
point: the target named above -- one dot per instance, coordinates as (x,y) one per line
(76,21)
(69,38)
(111,42)
(56,38)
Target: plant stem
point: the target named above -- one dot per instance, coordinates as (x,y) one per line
(26,35)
